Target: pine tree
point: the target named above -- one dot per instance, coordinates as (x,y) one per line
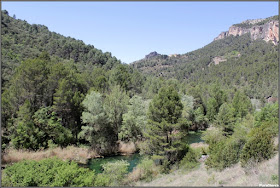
(225,118)
(165,128)
(241,104)
(25,134)
(50,125)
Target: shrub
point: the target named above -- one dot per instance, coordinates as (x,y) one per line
(223,154)
(190,160)
(165,167)
(268,113)
(212,136)
(147,167)
(114,173)
(145,170)
(271,127)
(102,180)
(51,172)
(274,178)
(258,147)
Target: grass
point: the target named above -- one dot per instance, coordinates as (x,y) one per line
(70,153)
(127,148)
(78,154)
(263,173)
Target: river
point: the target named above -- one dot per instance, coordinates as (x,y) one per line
(134,159)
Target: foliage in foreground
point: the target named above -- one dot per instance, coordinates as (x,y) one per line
(51,172)
(259,146)
(113,175)
(223,154)
(190,160)
(251,141)
(146,170)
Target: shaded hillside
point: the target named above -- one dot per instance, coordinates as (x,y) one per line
(21,40)
(234,61)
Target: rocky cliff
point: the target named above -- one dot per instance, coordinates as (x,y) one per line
(266,29)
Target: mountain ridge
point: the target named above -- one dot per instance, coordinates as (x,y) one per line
(237,60)
(266,29)
(252,26)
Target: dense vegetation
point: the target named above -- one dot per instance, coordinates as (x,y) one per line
(251,66)
(57,92)
(21,41)
(48,172)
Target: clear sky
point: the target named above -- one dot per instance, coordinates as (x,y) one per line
(131,30)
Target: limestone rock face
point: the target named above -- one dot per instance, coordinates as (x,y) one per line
(222,35)
(233,30)
(268,31)
(272,32)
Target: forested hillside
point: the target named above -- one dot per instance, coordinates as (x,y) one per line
(235,61)
(45,72)
(21,41)
(66,99)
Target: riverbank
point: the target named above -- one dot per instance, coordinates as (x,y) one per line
(80,155)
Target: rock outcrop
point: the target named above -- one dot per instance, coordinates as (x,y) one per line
(268,31)
(173,55)
(152,54)
(217,60)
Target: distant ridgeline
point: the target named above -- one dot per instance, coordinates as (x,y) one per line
(21,41)
(245,57)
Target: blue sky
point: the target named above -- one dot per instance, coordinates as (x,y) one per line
(130,30)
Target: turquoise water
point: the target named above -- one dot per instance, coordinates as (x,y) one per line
(134,159)
(194,137)
(96,164)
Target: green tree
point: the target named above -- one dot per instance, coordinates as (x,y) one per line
(134,121)
(50,126)
(225,118)
(137,82)
(198,101)
(67,102)
(120,76)
(99,79)
(187,102)
(241,104)
(97,130)
(218,97)
(30,82)
(58,71)
(165,128)
(268,113)
(115,105)
(259,146)
(198,119)
(25,134)
(212,105)
(224,153)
